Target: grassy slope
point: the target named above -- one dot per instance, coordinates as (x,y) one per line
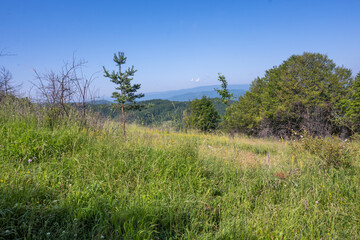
(92,184)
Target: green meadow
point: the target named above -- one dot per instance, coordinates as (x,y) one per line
(67,180)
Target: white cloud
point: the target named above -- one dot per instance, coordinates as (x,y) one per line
(195,80)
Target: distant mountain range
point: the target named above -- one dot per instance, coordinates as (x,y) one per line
(189,94)
(197,92)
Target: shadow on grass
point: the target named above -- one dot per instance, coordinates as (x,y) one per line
(35,213)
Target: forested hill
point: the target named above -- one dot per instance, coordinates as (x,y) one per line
(156,112)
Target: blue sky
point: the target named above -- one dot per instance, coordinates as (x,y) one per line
(171,42)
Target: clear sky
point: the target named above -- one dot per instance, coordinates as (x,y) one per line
(172,42)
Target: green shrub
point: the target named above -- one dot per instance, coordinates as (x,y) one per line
(331,151)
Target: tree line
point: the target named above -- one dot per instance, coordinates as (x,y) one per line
(306,93)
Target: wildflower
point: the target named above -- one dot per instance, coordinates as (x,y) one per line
(28,172)
(1,180)
(75,235)
(48,234)
(29,161)
(102,237)
(63,232)
(305,203)
(316,201)
(34,157)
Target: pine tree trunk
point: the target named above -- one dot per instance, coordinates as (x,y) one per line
(123,118)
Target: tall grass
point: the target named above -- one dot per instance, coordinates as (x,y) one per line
(77,182)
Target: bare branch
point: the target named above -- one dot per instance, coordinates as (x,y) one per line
(58,89)
(67,86)
(7,85)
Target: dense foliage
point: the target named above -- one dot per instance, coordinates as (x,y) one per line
(202,115)
(160,113)
(305,92)
(351,106)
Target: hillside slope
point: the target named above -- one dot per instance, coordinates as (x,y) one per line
(68,181)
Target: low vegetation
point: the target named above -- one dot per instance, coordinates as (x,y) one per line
(68,180)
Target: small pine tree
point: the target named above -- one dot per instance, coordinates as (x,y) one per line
(202,115)
(125,98)
(226,96)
